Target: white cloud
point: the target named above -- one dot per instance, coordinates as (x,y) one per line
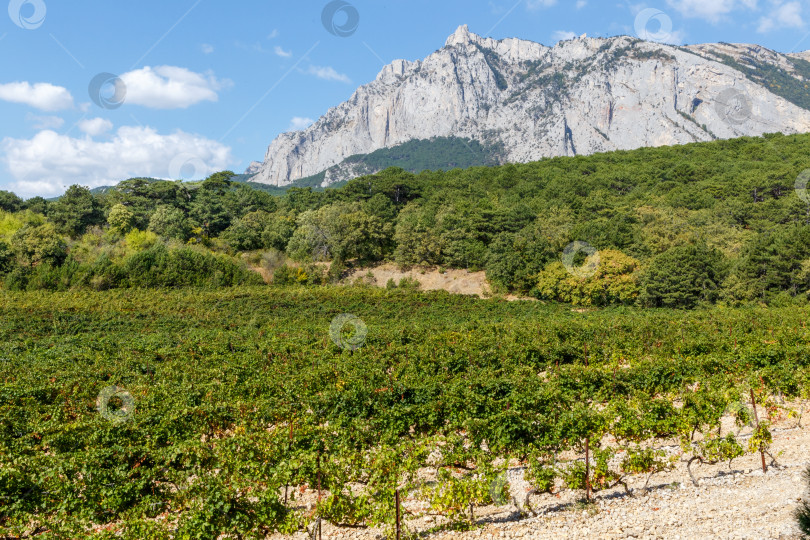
(539,4)
(298,123)
(562,35)
(45,122)
(581,4)
(206,48)
(48,162)
(95,126)
(281,52)
(328,73)
(170,87)
(710,10)
(43,96)
(787,15)
(273,34)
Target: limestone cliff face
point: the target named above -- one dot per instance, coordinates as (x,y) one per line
(581,96)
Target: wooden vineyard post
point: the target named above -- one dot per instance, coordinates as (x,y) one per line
(756,420)
(587,469)
(289,447)
(319,492)
(396,496)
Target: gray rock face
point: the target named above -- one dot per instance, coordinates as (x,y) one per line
(254,167)
(581,96)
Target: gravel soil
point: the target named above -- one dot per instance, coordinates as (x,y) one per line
(734,502)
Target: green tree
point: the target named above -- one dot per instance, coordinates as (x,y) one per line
(142,196)
(299,199)
(219,182)
(121,219)
(6,258)
(416,238)
(683,276)
(209,212)
(339,232)
(772,262)
(245,233)
(243,200)
(515,260)
(10,202)
(38,205)
(278,230)
(170,222)
(37,244)
(75,211)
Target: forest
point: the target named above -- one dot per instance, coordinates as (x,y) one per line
(720,222)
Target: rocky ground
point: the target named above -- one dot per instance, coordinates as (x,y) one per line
(737,502)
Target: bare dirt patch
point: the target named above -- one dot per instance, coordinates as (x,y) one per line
(452,281)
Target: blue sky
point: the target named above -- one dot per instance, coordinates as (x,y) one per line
(209,84)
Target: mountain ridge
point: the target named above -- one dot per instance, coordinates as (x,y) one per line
(581,96)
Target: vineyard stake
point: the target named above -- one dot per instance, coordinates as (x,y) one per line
(318,465)
(289,447)
(396,496)
(587,469)
(756,419)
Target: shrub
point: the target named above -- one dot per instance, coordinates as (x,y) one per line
(284,275)
(409,284)
(140,240)
(615,281)
(159,266)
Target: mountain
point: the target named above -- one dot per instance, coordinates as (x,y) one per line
(530,101)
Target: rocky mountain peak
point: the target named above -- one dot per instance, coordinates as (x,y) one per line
(530,101)
(461,36)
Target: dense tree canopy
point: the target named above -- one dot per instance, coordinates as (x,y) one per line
(689,224)
(683,276)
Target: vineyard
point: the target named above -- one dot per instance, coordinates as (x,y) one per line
(194,414)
